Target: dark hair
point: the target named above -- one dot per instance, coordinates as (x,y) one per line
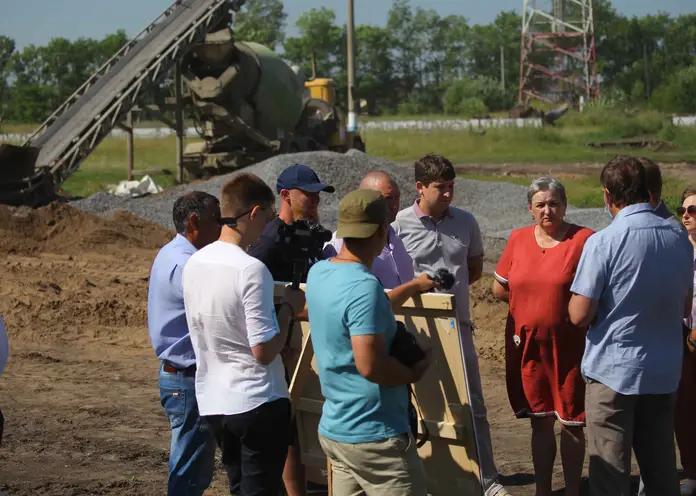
(195,202)
(625,180)
(431,168)
(690,191)
(243,192)
(653,176)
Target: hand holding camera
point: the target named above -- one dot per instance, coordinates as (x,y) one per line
(444,278)
(426,283)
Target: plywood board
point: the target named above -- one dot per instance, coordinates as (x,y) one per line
(450,455)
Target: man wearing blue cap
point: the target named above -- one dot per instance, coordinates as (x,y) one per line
(298,187)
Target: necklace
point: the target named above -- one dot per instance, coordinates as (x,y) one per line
(548,242)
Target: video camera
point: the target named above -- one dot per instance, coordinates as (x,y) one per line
(303,241)
(444,277)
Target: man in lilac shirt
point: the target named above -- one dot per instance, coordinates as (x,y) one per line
(393,267)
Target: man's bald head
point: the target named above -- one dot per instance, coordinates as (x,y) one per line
(385,184)
(376,179)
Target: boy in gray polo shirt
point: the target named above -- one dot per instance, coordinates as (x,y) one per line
(438,235)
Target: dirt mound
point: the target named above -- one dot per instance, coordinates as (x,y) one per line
(489,315)
(60,228)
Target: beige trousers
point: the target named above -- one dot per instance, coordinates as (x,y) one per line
(388,467)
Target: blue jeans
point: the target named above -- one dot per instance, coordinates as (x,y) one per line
(192,451)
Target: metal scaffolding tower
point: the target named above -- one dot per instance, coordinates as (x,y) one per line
(559,59)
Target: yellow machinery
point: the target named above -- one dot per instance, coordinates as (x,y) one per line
(323,89)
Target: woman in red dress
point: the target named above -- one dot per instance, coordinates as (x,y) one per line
(543,348)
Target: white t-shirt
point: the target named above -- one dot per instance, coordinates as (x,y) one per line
(228,297)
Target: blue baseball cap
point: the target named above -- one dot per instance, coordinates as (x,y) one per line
(300,176)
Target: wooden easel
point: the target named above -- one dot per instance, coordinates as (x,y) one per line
(450,456)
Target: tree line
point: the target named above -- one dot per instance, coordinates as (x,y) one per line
(420,62)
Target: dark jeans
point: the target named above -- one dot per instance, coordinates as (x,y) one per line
(254,447)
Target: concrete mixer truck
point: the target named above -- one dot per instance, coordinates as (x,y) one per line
(249,104)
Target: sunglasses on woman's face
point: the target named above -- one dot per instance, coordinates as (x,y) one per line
(691,209)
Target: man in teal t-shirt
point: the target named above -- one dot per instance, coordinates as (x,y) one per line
(364,428)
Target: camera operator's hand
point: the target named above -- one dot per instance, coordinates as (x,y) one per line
(425,283)
(296,299)
(421,367)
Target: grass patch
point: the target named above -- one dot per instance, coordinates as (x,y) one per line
(513,145)
(108,164)
(565,143)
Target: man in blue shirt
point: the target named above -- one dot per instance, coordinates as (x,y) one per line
(192,453)
(632,288)
(364,428)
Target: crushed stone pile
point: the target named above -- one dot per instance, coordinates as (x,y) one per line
(499,207)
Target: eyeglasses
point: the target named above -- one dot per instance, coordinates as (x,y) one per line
(691,209)
(232,221)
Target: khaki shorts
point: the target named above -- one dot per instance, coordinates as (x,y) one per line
(391,466)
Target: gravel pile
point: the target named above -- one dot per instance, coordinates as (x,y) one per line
(499,207)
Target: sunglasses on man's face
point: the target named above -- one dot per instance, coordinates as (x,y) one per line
(232,221)
(691,209)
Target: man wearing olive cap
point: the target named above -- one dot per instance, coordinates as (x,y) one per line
(364,428)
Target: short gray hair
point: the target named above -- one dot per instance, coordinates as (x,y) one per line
(546,183)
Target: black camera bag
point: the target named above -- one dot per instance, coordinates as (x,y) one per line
(406,350)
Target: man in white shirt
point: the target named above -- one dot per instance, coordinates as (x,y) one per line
(236,336)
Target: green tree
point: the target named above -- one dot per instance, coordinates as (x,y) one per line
(405,47)
(261,21)
(7,48)
(374,66)
(318,34)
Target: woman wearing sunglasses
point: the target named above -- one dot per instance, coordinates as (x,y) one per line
(685,412)
(543,348)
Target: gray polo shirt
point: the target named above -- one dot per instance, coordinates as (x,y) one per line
(450,243)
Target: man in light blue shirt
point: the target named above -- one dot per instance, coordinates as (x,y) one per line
(632,288)
(192,453)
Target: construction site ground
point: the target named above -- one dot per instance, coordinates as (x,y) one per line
(80,393)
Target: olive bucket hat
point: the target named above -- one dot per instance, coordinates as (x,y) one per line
(361,213)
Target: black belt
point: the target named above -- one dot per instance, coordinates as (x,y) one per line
(171,369)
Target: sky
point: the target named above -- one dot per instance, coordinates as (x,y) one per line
(37,21)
